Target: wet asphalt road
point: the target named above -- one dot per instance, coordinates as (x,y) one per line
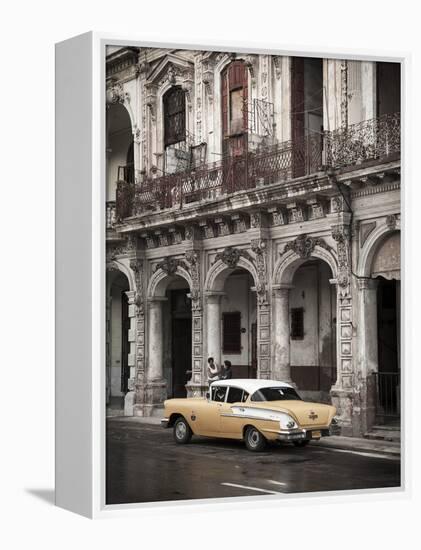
(145,465)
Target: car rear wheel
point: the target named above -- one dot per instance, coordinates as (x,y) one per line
(301,443)
(254,439)
(182,432)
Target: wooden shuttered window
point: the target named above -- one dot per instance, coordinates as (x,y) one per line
(234,92)
(174,116)
(231,332)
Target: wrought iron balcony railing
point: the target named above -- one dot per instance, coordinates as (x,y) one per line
(369,140)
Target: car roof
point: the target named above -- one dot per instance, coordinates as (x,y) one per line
(250,384)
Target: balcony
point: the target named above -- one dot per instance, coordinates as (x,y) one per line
(372,140)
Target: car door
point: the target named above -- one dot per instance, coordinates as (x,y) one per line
(231,423)
(208,414)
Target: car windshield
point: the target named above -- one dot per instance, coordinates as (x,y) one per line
(275,394)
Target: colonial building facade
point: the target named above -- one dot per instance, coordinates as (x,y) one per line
(253,214)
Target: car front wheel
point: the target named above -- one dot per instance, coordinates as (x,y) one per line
(254,439)
(182,431)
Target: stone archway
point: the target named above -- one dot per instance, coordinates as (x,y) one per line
(119,364)
(165,276)
(296,254)
(226,263)
(378,329)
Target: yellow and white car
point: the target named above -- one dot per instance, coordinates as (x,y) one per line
(254,410)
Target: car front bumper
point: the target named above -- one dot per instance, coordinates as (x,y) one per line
(165,422)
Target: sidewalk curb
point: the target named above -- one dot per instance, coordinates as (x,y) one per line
(360,445)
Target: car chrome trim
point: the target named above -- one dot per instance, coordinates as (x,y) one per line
(165,422)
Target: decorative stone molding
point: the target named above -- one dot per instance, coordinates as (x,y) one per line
(279,215)
(341,234)
(252,62)
(344,94)
(151,99)
(365,230)
(116,94)
(277,63)
(230,256)
(296,212)
(208,77)
(239,222)
(137,266)
(193,266)
(391,221)
(304,245)
(169,265)
(259,247)
(223,226)
(188,86)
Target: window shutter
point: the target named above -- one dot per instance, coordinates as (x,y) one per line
(231,332)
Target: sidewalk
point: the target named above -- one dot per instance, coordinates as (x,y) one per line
(360,444)
(334,441)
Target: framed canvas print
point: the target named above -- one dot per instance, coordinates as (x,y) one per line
(229,304)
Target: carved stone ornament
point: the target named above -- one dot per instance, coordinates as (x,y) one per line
(116,94)
(304,245)
(208,78)
(391,221)
(231,256)
(136,266)
(169,265)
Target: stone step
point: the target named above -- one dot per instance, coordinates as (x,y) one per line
(387,427)
(384,434)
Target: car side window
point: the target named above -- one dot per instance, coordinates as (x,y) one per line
(235,395)
(218,393)
(245,397)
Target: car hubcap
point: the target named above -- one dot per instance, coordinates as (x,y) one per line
(254,438)
(180,430)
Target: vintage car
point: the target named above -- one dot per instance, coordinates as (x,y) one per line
(254,410)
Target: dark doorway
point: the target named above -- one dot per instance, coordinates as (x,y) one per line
(388,349)
(181,341)
(125,344)
(306,114)
(388,88)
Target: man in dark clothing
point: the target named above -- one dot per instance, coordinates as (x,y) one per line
(227,373)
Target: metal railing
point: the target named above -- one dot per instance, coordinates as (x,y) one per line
(369,140)
(248,171)
(387,395)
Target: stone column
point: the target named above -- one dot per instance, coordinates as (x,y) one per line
(130,395)
(281,368)
(367,358)
(155,389)
(213,303)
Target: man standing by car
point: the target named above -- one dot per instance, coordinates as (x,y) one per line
(227,372)
(214,372)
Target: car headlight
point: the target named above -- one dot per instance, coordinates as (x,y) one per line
(334,420)
(286,422)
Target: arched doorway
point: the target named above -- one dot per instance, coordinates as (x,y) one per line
(386,273)
(120,149)
(117,341)
(232,317)
(177,337)
(169,320)
(312,325)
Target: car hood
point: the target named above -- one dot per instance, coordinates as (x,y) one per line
(306,413)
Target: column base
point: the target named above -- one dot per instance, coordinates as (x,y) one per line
(343,401)
(129,400)
(155,393)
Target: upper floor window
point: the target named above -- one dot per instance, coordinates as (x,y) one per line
(234,90)
(174,116)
